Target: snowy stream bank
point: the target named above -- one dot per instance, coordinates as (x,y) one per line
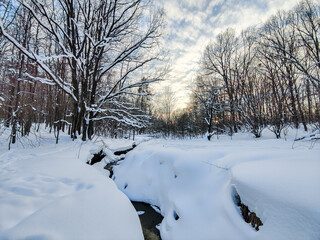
(150,219)
(49,192)
(193,183)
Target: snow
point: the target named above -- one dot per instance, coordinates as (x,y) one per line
(194,183)
(284,193)
(49,192)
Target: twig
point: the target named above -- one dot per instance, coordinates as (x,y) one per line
(217,166)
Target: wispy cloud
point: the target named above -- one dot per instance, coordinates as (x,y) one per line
(193,23)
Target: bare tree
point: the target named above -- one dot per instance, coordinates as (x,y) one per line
(208,94)
(250,84)
(164,104)
(103,43)
(307,14)
(218,61)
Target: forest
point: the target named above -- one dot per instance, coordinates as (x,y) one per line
(265,77)
(95,142)
(87,68)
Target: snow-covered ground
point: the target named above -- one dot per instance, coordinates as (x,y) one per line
(194,184)
(47,191)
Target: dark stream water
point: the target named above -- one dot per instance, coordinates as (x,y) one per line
(149,218)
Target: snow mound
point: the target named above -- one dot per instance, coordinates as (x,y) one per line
(284,193)
(194,196)
(194,184)
(48,193)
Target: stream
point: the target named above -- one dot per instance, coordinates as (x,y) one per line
(149,218)
(149,215)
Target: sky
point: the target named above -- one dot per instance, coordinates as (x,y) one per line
(191,24)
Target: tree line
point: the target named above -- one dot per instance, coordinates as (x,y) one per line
(81,66)
(85,67)
(267,76)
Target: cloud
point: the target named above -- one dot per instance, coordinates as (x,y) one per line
(193,23)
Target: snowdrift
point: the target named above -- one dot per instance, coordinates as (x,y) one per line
(195,182)
(284,193)
(50,193)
